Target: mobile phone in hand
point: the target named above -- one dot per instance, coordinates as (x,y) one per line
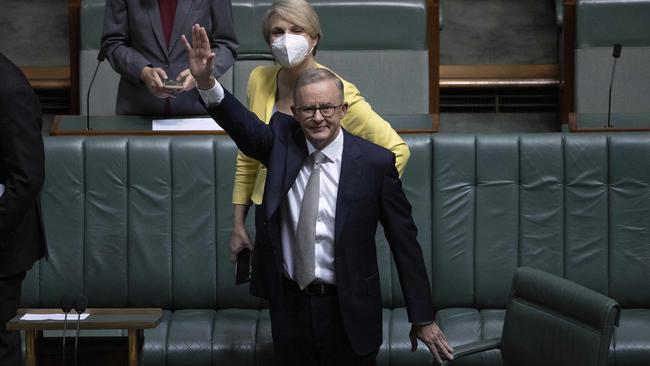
(173,84)
(243,266)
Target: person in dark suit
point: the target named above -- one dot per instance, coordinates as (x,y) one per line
(315,257)
(22,238)
(141,40)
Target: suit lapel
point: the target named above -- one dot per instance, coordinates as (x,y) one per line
(349,179)
(153,12)
(296,152)
(182,9)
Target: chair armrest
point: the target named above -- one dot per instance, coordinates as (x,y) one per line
(475,347)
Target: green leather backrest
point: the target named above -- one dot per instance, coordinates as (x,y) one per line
(145,221)
(599,25)
(577,206)
(138,222)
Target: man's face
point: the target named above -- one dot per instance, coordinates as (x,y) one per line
(319,98)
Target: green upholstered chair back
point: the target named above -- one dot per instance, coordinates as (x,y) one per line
(138,221)
(552,321)
(599,25)
(144,221)
(577,206)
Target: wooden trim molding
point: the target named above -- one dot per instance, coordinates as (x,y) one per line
(573,127)
(456,76)
(73,42)
(56,77)
(567,86)
(433,43)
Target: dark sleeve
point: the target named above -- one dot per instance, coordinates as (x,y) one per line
(223,39)
(252,136)
(401,233)
(126,60)
(21,147)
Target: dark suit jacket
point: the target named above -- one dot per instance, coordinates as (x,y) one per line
(133,38)
(22,239)
(369,192)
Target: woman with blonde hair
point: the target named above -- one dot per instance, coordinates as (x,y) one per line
(292,30)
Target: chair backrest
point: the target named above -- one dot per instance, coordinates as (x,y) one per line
(138,222)
(553,321)
(599,25)
(574,205)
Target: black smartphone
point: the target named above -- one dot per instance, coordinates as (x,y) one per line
(243,266)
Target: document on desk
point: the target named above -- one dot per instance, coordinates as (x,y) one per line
(53,316)
(185,124)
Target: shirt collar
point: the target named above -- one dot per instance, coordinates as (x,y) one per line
(332,151)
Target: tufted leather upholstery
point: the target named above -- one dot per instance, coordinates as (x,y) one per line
(551,321)
(144,221)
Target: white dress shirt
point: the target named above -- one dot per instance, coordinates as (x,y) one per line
(329,183)
(329,187)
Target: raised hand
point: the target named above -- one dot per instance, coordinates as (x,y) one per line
(200,57)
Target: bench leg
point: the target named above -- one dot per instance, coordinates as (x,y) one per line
(30,347)
(136,337)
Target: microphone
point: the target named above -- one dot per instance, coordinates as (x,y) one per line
(66,305)
(101,56)
(616,54)
(80,305)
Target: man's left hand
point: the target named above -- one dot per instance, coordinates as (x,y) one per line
(435,340)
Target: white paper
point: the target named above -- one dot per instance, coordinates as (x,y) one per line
(2,189)
(55,316)
(185,124)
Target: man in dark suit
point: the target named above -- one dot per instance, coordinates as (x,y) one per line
(22,240)
(141,39)
(315,255)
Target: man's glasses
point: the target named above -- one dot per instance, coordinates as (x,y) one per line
(326,111)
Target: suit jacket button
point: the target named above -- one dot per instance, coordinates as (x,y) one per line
(166,66)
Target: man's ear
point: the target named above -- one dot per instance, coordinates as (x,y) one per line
(344,108)
(293,111)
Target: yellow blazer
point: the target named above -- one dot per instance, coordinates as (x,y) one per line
(360,120)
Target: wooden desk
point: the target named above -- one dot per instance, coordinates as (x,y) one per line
(138,125)
(133,320)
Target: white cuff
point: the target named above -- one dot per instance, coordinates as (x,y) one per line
(212,97)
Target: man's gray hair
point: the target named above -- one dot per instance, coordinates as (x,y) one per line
(317,75)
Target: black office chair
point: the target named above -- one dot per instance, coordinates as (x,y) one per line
(551,321)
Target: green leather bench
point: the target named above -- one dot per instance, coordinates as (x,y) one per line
(145,221)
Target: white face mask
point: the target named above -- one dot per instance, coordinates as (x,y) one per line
(290,49)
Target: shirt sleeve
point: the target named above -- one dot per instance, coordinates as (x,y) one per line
(212,97)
